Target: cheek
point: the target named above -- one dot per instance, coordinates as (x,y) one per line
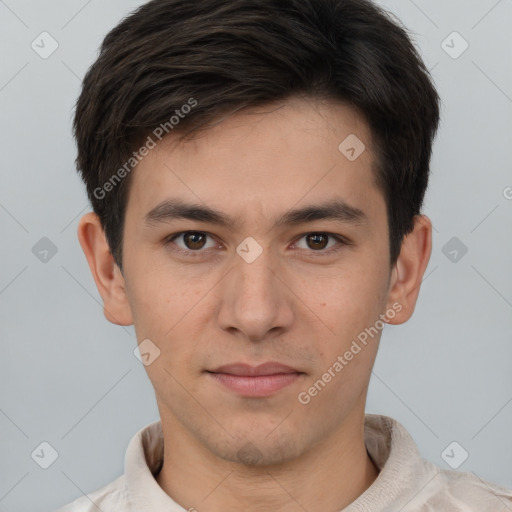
(172,313)
(160,295)
(348,300)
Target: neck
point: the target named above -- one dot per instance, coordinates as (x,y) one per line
(330,476)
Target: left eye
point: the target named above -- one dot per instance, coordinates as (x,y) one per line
(318,242)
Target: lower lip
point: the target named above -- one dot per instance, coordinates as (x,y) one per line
(258,386)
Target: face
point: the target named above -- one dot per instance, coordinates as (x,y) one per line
(259,282)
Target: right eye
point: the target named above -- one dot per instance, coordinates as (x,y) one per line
(193,242)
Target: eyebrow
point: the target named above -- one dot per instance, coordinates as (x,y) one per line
(175,209)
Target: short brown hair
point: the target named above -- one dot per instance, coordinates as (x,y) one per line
(227,55)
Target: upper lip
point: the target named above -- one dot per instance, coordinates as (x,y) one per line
(270,368)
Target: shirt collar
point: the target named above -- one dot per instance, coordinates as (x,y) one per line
(402,471)
(144,457)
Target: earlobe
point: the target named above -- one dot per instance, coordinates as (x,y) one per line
(409,269)
(106,273)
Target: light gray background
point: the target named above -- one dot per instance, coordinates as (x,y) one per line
(70,378)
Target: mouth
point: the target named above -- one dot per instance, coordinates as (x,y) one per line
(255,381)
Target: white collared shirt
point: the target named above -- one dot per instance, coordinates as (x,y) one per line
(406,482)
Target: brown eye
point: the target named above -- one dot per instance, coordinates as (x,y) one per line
(194,240)
(320,244)
(317,241)
(190,242)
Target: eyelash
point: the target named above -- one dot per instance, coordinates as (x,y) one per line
(321,252)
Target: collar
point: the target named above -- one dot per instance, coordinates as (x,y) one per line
(402,471)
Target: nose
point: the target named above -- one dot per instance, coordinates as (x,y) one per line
(256,300)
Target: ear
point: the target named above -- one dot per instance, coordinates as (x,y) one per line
(107,275)
(408,271)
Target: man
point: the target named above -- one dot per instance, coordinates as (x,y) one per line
(257,170)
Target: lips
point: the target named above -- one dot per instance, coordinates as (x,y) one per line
(270,368)
(255,381)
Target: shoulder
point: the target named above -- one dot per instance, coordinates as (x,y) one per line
(418,485)
(460,491)
(109,498)
(482,495)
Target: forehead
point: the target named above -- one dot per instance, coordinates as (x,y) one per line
(262,160)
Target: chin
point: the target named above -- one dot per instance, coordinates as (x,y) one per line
(257,450)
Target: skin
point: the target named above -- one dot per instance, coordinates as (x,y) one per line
(296,304)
